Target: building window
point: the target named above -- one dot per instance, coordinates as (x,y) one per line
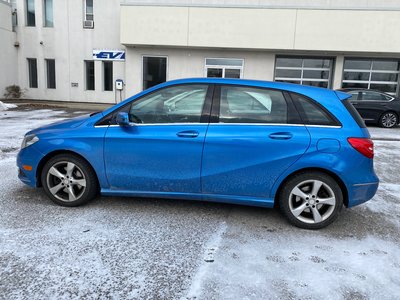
(224,67)
(108,75)
(89,10)
(89,75)
(32,73)
(51,73)
(314,71)
(382,75)
(48,13)
(154,71)
(30,13)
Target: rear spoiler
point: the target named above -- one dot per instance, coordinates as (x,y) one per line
(342,96)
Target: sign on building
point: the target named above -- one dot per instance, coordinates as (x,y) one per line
(102,54)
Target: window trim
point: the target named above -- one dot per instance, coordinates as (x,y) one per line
(26,13)
(166,67)
(370,71)
(336,123)
(109,119)
(85,14)
(301,79)
(104,62)
(44,14)
(29,59)
(46,62)
(223,67)
(86,74)
(293,117)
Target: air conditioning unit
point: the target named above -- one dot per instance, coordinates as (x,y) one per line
(88,24)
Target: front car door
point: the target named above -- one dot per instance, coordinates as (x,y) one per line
(161,151)
(250,143)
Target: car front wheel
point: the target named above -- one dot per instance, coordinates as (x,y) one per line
(388,120)
(311,200)
(69,180)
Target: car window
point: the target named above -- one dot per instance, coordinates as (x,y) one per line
(354,96)
(176,104)
(312,113)
(372,96)
(252,105)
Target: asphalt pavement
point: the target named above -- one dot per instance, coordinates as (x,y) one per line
(129,248)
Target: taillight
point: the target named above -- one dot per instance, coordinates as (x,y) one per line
(362,145)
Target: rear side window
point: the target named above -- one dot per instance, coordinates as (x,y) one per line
(252,105)
(313,113)
(354,113)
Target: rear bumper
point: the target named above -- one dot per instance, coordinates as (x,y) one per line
(362,192)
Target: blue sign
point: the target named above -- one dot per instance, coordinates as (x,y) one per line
(118,55)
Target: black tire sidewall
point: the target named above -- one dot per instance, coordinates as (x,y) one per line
(91,179)
(298,178)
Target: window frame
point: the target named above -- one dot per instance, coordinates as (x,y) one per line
(26,14)
(86,74)
(110,119)
(104,63)
(45,14)
(157,56)
(335,122)
(31,80)
(85,13)
(48,79)
(293,117)
(223,67)
(301,79)
(370,72)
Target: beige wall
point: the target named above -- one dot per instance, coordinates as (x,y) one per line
(249,28)
(183,63)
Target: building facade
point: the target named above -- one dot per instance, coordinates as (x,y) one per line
(78,50)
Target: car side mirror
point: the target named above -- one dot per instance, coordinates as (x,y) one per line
(122,119)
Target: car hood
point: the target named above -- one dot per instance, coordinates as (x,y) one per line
(64,124)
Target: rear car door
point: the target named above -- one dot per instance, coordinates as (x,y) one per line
(250,141)
(161,151)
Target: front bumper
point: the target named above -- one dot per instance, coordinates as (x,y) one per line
(29,156)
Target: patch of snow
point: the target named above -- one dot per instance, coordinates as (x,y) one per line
(6,106)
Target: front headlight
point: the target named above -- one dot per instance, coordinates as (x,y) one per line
(29,140)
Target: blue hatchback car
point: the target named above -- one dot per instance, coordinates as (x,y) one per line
(302,149)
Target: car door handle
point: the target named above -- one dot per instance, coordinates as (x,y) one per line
(188,134)
(281,135)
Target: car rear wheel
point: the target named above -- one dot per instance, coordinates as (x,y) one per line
(69,180)
(311,200)
(388,120)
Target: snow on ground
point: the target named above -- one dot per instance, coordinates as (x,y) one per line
(16,123)
(384,133)
(124,248)
(6,106)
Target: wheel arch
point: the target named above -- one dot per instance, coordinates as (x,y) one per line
(321,170)
(50,155)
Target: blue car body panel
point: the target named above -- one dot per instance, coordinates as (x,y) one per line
(235,163)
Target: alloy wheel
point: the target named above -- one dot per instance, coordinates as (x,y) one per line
(312,201)
(389,120)
(66,181)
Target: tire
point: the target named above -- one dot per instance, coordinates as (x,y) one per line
(388,119)
(302,205)
(69,180)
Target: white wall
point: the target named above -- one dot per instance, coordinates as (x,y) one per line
(8,53)
(69,44)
